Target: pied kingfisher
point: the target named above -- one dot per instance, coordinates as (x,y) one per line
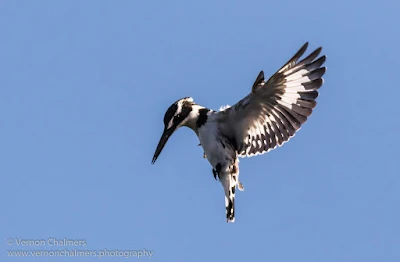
(266,118)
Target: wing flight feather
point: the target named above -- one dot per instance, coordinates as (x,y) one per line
(277,108)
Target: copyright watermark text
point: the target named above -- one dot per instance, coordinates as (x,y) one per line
(51,242)
(81,253)
(64,247)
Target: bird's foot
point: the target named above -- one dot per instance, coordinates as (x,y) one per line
(204,154)
(215,173)
(240,186)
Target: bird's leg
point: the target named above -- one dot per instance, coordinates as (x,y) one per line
(235,177)
(235,174)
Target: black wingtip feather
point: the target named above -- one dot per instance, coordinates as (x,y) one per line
(314,84)
(304,111)
(307,103)
(294,58)
(321,60)
(312,95)
(311,57)
(317,73)
(299,53)
(317,63)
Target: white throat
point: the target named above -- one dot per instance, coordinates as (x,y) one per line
(191,119)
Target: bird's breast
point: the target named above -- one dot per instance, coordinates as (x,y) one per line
(216,147)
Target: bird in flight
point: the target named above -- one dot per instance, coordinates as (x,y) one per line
(266,118)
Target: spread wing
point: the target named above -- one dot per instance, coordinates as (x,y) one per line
(275,109)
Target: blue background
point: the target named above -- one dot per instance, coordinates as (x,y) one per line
(84,89)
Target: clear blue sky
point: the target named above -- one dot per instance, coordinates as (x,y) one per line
(84,89)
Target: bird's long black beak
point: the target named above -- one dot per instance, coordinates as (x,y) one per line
(164,138)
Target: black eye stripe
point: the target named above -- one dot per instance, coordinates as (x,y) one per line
(177,112)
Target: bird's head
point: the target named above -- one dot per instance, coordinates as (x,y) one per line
(176,116)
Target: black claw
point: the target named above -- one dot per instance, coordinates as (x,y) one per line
(215,174)
(217,170)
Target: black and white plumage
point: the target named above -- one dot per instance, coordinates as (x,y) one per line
(266,118)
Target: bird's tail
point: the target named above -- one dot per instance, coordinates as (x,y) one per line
(229,185)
